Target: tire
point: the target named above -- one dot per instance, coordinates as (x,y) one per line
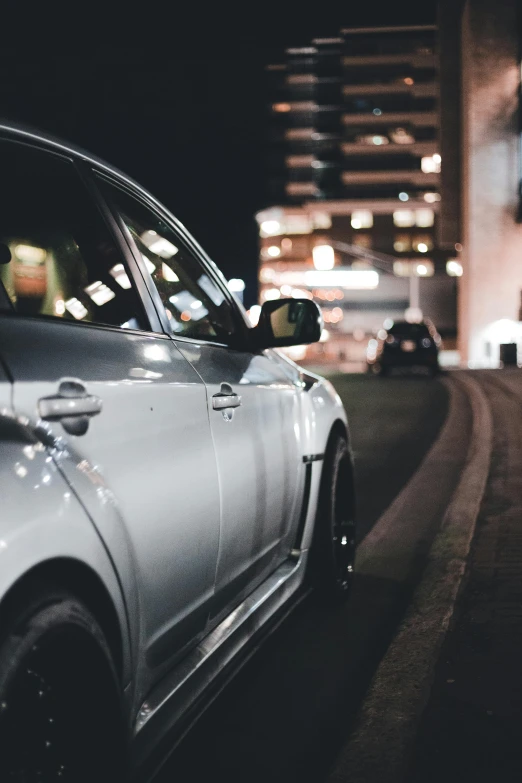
(60,707)
(332,555)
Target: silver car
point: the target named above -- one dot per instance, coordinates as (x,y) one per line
(169,481)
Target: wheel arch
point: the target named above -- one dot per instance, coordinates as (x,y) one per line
(83,582)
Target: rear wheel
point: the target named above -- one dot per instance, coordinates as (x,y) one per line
(60,713)
(332,554)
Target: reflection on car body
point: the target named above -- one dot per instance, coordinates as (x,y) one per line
(169,479)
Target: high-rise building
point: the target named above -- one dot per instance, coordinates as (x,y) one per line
(354,173)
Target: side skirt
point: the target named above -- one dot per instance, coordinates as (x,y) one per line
(177,692)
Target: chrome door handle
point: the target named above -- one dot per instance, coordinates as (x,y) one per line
(221,401)
(72,406)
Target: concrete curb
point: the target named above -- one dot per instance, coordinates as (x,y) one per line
(380,745)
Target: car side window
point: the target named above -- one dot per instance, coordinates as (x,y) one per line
(58,256)
(195,306)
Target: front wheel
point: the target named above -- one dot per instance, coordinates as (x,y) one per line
(332,553)
(60,714)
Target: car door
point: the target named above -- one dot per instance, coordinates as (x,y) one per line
(253,404)
(79,337)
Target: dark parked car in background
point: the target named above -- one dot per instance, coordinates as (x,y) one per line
(405,346)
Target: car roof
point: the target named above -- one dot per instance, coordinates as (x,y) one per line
(24,132)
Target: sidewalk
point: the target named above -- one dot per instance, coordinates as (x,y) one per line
(471,729)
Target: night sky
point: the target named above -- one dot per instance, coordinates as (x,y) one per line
(173,95)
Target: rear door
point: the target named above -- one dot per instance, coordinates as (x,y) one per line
(253,404)
(82,337)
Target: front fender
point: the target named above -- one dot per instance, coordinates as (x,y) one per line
(42,520)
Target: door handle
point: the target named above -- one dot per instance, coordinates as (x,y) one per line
(72,406)
(225,398)
(221,401)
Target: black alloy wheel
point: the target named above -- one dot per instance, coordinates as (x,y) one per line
(332,554)
(60,709)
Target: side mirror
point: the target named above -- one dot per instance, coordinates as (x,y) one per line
(285,322)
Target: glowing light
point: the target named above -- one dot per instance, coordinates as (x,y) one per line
(270,228)
(120,275)
(360,279)
(408,80)
(236,284)
(99,293)
(273,251)
(151,268)
(454,268)
(254,313)
(388,323)
(281,107)
(403,196)
(286,244)
(286,290)
(437,158)
(424,218)
(266,274)
(377,112)
(76,309)
(361,218)
(323,257)
(401,136)
(413,315)
(158,245)
(404,218)
(430,164)
(272,293)
(422,270)
(30,254)
(185,316)
(422,247)
(431,198)
(59,307)
(378,140)
(168,273)
(325,335)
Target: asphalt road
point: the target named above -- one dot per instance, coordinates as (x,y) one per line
(287,712)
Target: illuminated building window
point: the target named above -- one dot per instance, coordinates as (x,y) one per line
(430,164)
(301,78)
(421,243)
(424,218)
(299,161)
(299,134)
(301,189)
(362,240)
(362,218)
(373,139)
(454,268)
(402,243)
(401,136)
(404,218)
(270,228)
(409,268)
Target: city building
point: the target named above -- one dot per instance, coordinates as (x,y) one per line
(354,170)
(481,207)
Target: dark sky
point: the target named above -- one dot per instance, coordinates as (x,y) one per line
(172,94)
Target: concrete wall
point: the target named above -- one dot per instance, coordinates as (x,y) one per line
(491,286)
